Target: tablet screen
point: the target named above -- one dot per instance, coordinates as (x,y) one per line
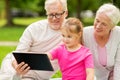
(34,60)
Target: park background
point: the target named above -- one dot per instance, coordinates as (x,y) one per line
(16,15)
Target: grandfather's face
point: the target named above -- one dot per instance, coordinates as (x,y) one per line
(102,25)
(56,16)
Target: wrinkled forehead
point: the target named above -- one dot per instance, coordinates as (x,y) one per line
(54,7)
(103,17)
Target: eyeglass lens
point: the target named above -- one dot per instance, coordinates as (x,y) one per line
(57,15)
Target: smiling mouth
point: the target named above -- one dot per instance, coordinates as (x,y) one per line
(98,30)
(55,23)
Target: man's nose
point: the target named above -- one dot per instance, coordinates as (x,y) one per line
(54,17)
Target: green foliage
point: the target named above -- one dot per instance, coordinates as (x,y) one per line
(87,21)
(84,5)
(104,1)
(34,5)
(117,3)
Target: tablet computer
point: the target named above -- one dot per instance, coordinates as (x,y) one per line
(34,60)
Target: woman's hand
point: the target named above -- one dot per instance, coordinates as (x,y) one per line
(21,68)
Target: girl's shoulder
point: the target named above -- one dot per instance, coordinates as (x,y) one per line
(86,50)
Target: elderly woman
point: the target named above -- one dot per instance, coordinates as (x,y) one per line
(104,41)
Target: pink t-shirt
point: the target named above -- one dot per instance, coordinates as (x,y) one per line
(73,64)
(102,55)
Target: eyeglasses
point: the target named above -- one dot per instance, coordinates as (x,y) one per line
(57,15)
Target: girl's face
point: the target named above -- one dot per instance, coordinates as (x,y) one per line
(102,25)
(71,40)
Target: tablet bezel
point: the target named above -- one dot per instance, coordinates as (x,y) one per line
(36,61)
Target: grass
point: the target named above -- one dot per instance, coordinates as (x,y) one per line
(2,22)
(4,50)
(11,33)
(26,21)
(57,75)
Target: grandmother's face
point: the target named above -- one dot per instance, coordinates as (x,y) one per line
(102,25)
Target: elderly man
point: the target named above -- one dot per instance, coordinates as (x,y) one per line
(41,36)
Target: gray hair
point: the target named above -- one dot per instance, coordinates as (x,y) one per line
(50,2)
(111,11)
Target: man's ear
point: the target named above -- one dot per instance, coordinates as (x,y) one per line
(66,13)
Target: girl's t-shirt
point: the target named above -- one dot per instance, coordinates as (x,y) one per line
(73,64)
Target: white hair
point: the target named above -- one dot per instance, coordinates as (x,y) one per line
(111,11)
(50,2)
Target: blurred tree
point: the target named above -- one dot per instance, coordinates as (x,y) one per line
(105,1)
(76,7)
(41,9)
(8,14)
(1,8)
(117,3)
(23,5)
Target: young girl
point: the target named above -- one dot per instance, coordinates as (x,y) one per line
(75,60)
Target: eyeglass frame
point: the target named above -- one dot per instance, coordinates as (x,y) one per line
(56,15)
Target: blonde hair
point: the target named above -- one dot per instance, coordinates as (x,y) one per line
(111,11)
(51,2)
(74,25)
